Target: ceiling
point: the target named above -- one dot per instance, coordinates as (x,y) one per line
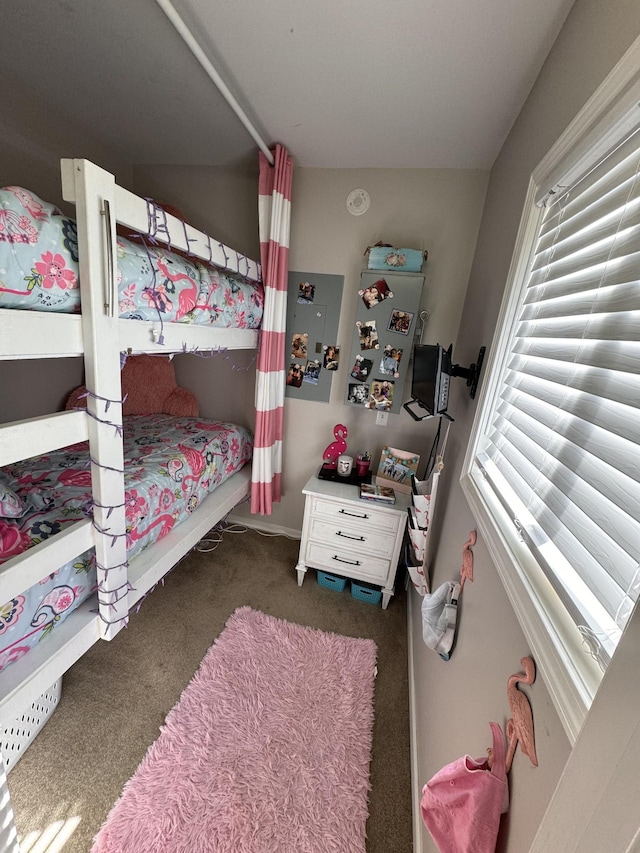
(342,83)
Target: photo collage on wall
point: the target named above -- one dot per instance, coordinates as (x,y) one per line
(304,367)
(381,335)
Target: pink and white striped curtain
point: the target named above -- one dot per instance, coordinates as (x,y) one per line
(274,212)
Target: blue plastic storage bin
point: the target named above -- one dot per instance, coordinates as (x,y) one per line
(364,592)
(332,581)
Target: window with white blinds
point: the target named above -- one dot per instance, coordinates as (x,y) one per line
(562,447)
(552,472)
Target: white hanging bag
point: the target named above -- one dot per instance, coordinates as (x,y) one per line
(440,617)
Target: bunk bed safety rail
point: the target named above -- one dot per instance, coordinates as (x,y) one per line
(34,436)
(28,334)
(29,568)
(148,219)
(25,439)
(138,336)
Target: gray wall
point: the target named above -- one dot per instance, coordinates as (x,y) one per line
(455,699)
(437,210)
(32,140)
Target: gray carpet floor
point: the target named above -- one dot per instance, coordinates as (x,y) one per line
(116,697)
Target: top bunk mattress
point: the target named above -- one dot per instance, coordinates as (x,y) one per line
(39,272)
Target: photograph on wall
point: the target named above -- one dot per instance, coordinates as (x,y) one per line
(299,345)
(331,357)
(306,293)
(358,394)
(381,397)
(400,321)
(396,467)
(311,372)
(294,375)
(376,293)
(362,368)
(368,335)
(390,361)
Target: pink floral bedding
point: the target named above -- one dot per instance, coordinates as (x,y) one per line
(39,272)
(171,465)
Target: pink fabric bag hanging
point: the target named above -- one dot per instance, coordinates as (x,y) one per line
(461,805)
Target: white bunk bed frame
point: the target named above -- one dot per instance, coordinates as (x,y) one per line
(99,336)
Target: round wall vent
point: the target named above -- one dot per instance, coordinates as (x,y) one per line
(358,202)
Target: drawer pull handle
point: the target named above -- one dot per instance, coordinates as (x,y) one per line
(346,536)
(353,514)
(348,562)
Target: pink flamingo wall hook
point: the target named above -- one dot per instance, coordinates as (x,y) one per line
(466,572)
(336,447)
(520,726)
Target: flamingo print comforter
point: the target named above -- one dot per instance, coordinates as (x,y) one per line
(171,465)
(39,272)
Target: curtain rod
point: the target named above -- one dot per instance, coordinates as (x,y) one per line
(180,26)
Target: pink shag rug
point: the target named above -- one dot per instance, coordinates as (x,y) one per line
(267,750)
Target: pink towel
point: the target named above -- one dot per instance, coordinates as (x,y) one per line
(462,803)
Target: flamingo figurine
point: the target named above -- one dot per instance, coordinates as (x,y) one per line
(466,572)
(333,450)
(520,726)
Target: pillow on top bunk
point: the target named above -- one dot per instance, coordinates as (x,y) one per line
(149,383)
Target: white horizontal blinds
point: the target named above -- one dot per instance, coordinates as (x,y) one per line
(563,447)
(590,216)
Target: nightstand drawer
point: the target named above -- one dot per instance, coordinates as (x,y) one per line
(353,513)
(362,538)
(348,563)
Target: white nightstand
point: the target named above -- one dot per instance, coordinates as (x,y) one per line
(344,535)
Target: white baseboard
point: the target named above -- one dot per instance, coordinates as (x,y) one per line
(416,788)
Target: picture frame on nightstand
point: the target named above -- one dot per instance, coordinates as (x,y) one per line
(396,467)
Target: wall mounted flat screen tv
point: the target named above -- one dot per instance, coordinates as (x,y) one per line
(430,378)
(432,372)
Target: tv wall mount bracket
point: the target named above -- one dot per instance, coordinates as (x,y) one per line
(471,373)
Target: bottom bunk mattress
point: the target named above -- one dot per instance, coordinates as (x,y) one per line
(171,464)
